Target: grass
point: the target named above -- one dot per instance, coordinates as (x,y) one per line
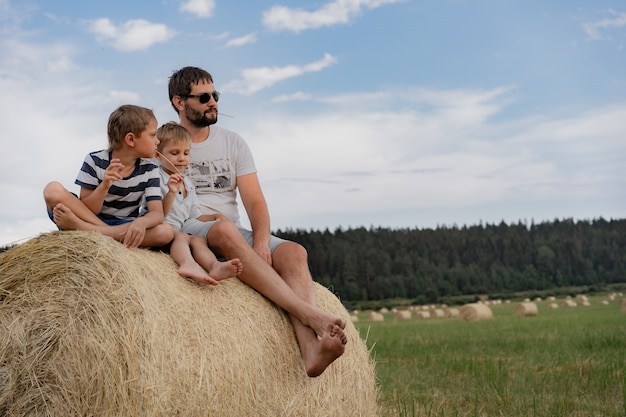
(562,362)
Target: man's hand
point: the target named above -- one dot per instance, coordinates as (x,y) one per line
(264,251)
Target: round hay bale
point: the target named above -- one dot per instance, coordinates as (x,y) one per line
(422,314)
(475,312)
(452,312)
(567,303)
(403,315)
(438,313)
(92,328)
(553,305)
(525,310)
(375,316)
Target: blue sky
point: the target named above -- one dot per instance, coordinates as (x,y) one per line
(359,112)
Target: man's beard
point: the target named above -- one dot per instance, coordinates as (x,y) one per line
(200,119)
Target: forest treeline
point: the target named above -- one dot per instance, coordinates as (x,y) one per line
(432,265)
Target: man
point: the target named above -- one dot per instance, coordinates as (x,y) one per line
(221,164)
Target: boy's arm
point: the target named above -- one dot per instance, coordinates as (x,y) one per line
(94,198)
(136,231)
(174,186)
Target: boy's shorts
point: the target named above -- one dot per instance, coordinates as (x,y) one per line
(199,228)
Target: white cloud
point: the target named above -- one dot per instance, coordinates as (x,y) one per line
(256,79)
(444,151)
(124,96)
(593,28)
(201,8)
(298,96)
(243,40)
(336,12)
(132,35)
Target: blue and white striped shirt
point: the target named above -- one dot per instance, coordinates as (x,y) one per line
(124,199)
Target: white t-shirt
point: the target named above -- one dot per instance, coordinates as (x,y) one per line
(215,165)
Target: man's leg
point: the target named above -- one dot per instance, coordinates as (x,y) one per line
(309,321)
(290,262)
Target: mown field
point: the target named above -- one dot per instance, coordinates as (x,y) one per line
(561,362)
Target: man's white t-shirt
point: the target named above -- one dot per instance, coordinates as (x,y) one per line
(214,167)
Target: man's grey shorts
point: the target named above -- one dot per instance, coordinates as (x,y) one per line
(199,228)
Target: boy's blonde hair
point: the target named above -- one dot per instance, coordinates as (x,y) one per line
(127,119)
(172,132)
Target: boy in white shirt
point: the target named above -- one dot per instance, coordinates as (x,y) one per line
(182,211)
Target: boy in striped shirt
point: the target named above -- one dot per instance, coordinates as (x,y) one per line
(113,184)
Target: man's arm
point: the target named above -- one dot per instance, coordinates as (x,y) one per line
(256,208)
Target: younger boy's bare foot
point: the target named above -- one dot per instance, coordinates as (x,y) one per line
(319,355)
(226,269)
(195,271)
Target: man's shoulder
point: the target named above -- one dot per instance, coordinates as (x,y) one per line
(222,132)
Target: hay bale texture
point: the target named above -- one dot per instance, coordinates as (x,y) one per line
(526,310)
(475,312)
(90,328)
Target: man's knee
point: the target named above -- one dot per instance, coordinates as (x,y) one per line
(290,252)
(224,234)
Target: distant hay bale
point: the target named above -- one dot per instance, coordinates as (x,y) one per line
(384,310)
(438,313)
(551,298)
(375,316)
(90,328)
(452,312)
(403,315)
(525,310)
(354,318)
(567,303)
(582,297)
(475,312)
(553,305)
(422,314)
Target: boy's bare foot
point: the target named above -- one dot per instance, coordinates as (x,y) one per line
(195,271)
(226,269)
(65,218)
(318,356)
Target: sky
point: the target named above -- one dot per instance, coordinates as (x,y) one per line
(360,113)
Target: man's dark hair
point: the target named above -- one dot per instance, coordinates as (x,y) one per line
(184,79)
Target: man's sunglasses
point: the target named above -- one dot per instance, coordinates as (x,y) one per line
(205,97)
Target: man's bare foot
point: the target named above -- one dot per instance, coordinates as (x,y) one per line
(226,269)
(65,218)
(195,271)
(327,348)
(321,323)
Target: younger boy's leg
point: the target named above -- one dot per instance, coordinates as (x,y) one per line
(187,267)
(204,256)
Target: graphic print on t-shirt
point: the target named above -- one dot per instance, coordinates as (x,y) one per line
(210,176)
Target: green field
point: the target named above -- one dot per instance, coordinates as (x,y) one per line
(562,362)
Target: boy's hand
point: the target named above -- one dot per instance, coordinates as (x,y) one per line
(134,234)
(175,183)
(113,172)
